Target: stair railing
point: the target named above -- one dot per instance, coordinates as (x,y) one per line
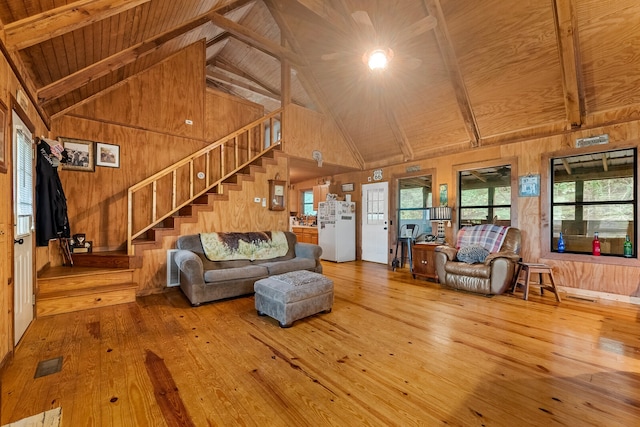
(161,195)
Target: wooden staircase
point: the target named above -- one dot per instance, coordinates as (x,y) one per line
(106,278)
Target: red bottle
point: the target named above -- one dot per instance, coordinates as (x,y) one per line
(596,245)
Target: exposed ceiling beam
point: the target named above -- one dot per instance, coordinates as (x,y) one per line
(567,31)
(256,40)
(229,68)
(567,166)
(217,39)
(311,86)
(18,68)
(420,27)
(61,20)
(326,12)
(223,78)
(449,57)
(390,99)
(399,134)
(478,175)
(605,162)
(114,62)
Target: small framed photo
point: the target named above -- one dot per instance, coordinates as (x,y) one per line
(108,155)
(80,153)
(444,195)
(4,139)
(529,186)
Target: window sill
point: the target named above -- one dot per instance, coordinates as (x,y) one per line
(604,260)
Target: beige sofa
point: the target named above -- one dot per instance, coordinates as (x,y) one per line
(492,276)
(203,280)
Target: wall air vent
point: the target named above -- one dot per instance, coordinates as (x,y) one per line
(592,140)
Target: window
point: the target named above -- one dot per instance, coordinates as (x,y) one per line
(307,203)
(415,196)
(23,182)
(485,196)
(592,193)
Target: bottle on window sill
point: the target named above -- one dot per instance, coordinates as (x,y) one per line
(628,247)
(560,243)
(596,245)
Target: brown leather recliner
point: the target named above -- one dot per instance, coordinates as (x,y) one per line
(494,276)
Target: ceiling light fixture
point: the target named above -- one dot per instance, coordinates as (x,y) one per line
(378,59)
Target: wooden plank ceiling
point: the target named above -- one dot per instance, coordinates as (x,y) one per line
(462,75)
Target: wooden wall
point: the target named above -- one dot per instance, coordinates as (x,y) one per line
(97,201)
(159,99)
(581,274)
(307,130)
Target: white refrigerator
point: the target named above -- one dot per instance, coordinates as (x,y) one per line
(337,230)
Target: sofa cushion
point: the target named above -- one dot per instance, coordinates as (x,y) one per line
(279,267)
(222,275)
(470,270)
(472,254)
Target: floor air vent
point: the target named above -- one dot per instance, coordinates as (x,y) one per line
(48,367)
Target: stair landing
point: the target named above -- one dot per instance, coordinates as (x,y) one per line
(68,289)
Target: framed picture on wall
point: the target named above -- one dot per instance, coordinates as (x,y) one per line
(444,195)
(529,186)
(80,153)
(4,138)
(108,155)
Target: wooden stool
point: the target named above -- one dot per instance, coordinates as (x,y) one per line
(528,268)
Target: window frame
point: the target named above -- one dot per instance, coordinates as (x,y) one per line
(546,222)
(423,210)
(304,204)
(512,162)
(581,204)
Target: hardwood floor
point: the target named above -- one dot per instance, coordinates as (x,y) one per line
(394,351)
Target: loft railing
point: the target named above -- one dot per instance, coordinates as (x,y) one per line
(161,195)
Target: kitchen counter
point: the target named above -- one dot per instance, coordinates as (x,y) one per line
(306,233)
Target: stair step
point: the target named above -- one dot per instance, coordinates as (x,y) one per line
(107,259)
(57,302)
(70,278)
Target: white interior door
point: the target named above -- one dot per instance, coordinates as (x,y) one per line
(375,222)
(23,226)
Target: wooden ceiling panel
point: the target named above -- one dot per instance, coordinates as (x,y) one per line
(261,21)
(609,36)
(509,60)
(482,76)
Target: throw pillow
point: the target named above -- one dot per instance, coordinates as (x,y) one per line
(472,254)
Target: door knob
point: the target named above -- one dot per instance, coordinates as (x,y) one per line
(19,241)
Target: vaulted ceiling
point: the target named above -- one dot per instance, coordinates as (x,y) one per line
(464,74)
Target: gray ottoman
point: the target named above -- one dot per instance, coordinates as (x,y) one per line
(291,296)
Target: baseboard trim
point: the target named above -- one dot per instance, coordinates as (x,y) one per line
(586,294)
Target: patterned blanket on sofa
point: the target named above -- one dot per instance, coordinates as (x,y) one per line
(488,236)
(251,245)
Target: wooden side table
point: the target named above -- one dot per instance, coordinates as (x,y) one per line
(424,260)
(526,269)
